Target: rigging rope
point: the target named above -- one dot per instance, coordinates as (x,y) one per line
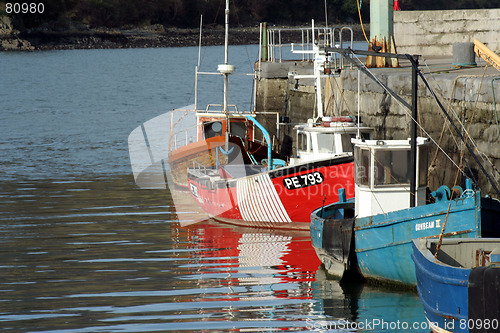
(458,171)
(484,158)
(390,92)
(471,151)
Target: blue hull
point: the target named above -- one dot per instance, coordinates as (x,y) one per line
(458,298)
(332,237)
(442,290)
(383,242)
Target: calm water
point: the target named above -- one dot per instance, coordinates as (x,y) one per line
(82,249)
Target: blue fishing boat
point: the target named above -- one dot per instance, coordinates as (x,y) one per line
(384,227)
(392,205)
(373,234)
(459,286)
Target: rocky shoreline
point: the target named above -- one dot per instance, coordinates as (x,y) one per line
(151,36)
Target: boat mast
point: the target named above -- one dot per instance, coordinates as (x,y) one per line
(197,67)
(226,69)
(319,61)
(226,58)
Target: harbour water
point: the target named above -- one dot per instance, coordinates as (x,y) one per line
(82,249)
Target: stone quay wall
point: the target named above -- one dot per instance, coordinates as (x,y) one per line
(433,32)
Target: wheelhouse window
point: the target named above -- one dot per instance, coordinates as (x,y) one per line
(302,141)
(362,166)
(347,146)
(326,142)
(423,165)
(212,128)
(238,128)
(391,167)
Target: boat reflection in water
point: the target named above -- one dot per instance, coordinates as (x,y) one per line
(363,307)
(265,260)
(264,279)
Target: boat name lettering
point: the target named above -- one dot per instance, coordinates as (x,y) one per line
(305,180)
(194,189)
(428,225)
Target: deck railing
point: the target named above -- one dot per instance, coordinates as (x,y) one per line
(275,39)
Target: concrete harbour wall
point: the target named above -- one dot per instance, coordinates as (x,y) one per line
(433,32)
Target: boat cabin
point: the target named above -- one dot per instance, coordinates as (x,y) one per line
(329,139)
(213,125)
(382,175)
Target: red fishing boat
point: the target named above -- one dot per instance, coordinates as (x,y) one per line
(283,196)
(275,194)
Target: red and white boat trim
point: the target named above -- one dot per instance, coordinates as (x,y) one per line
(259,200)
(281,198)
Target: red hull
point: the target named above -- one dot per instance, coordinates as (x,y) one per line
(282,198)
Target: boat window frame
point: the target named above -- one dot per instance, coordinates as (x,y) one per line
(301,143)
(390,176)
(423,165)
(333,148)
(346,142)
(236,126)
(210,123)
(363,168)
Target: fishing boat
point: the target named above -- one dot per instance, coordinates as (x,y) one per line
(458,283)
(383,232)
(372,234)
(276,194)
(216,135)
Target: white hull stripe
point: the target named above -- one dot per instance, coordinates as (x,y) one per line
(263,195)
(275,205)
(259,201)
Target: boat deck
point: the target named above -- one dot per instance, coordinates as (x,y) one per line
(465,253)
(226,171)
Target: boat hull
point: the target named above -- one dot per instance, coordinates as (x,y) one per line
(383,242)
(282,198)
(454,298)
(333,238)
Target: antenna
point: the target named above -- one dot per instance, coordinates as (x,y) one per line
(197,67)
(199,47)
(326,17)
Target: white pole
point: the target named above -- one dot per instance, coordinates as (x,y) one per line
(358,136)
(260,48)
(226,76)
(317,74)
(196,68)
(196,88)
(199,47)
(226,60)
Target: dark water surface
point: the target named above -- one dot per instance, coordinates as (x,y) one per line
(82,249)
